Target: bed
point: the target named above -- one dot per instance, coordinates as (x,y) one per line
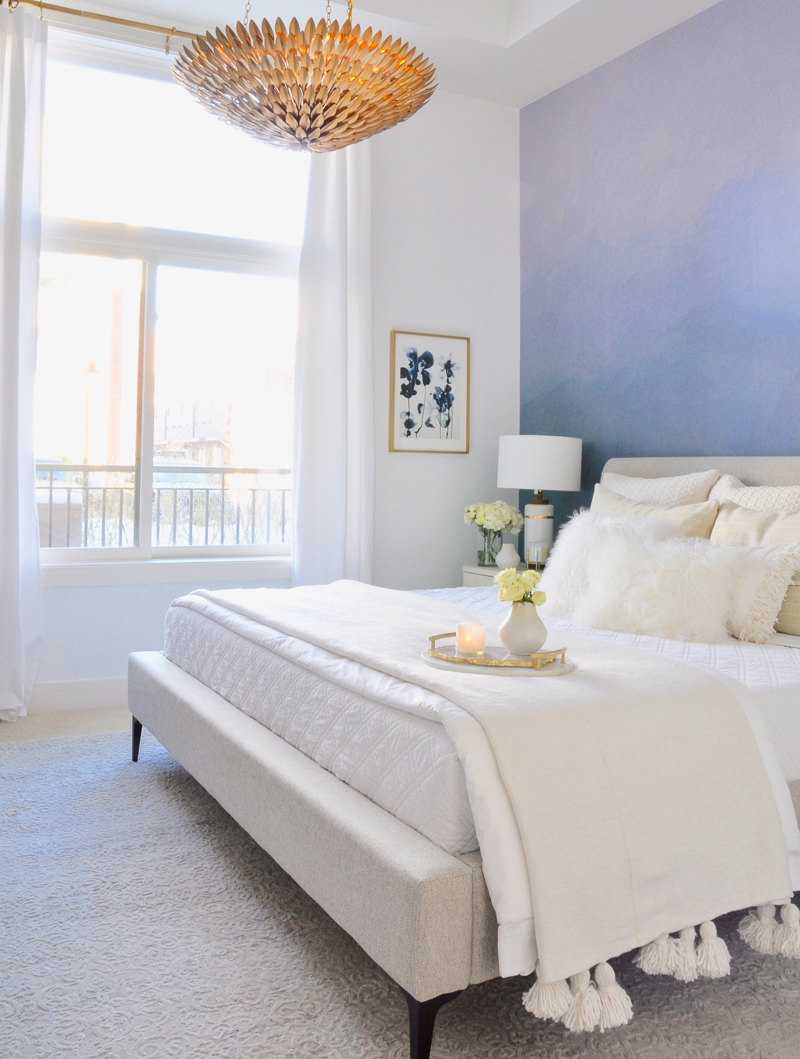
(366,805)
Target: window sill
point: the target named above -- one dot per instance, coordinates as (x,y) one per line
(275,569)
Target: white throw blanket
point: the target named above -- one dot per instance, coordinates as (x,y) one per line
(633,797)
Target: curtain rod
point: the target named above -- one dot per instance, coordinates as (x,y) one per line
(165,31)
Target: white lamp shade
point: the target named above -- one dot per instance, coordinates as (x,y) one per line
(539,461)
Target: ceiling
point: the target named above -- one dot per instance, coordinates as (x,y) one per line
(505,51)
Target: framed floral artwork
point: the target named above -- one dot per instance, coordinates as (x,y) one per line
(429,409)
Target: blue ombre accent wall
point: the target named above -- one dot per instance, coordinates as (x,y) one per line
(661,245)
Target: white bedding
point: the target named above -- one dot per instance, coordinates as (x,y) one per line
(770,671)
(374,683)
(405,763)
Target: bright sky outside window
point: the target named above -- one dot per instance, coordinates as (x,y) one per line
(138,151)
(209,464)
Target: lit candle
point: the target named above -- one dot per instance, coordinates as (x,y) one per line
(470,639)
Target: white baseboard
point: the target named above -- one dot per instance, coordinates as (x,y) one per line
(79,694)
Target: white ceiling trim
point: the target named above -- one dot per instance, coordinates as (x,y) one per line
(504,51)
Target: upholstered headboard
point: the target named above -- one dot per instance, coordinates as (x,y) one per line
(752,470)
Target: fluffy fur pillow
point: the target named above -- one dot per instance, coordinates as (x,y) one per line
(565,577)
(677,589)
(684,589)
(663,492)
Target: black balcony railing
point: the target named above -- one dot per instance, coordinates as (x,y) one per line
(94,506)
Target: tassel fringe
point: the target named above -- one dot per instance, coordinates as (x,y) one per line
(757,929)
(616,1008)
(685,958)
(713,958)
(547,1000)
(584,1009)
(786,939)
(658,957)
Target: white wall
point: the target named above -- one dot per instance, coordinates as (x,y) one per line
(446,261)
(91,628)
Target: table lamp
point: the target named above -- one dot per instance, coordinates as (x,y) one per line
(539,461)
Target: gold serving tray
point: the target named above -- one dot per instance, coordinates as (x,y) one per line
(497,657)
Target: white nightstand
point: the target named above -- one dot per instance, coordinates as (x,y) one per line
(481,576)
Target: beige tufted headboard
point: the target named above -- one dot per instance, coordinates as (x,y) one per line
(752,470)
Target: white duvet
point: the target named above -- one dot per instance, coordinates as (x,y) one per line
(536,845)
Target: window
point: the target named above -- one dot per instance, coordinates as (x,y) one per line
(167,323)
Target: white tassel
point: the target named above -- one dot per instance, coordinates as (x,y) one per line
(786,940)
(658,957)
(616,1008)
(583,1014)
(758,928)
(713,958)
(685,958)
(547,1000)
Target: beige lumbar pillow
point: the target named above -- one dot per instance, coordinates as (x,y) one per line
(748,528)
(757,497)
(693,520)
(663,492)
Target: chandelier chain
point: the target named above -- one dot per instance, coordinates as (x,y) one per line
(246,13)
(328,12)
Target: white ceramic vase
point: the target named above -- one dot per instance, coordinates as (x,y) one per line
(507,557)
(523,632)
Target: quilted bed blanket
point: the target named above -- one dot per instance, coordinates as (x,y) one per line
(626,800)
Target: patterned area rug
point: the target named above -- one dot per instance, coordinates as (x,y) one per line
(138,920)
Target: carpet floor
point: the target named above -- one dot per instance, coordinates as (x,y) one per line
(138,920)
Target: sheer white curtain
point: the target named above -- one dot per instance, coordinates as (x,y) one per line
(333,492)
(22,57)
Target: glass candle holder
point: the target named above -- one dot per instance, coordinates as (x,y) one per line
(537,556)
(470,639)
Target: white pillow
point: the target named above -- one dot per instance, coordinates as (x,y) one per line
(685,589)
(748,528)
(564,577)
(663,492)
(693,520)
(757,497)
(678,589)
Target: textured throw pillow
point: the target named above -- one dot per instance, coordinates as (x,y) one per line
(757,497)
(762,577)
(663,492)
(789,616)
(683,589)
(564,577)
(748,528)
(693,520)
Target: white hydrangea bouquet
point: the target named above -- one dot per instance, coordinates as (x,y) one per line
(492,520)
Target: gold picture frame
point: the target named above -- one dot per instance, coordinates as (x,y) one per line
(429,393)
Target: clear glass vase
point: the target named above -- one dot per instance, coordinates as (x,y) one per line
(489,545)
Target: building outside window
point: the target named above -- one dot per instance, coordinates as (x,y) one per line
(167,325)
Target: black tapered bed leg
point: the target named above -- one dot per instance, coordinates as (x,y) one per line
(421,1017)
(136,738)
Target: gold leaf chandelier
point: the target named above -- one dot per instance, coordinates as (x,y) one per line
(314,89)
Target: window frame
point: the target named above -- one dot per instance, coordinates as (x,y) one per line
(155,247)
